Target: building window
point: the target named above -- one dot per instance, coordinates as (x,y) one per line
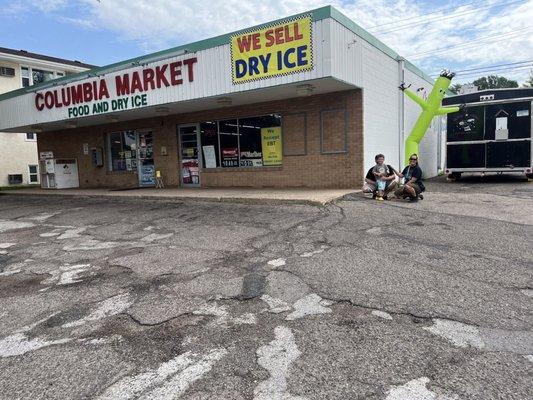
(25,75)
(40,76)
(33,173)
(236,142)
(122,151)
(333,133)
(32,76)
(229,142)
(31,137)
(210,147)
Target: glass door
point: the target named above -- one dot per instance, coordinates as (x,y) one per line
(189,155)
(145,157)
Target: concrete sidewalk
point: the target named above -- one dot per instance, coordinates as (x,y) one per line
(239,195)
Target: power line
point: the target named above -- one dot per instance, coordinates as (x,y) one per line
(410,25)
(486,67)
(494,71)
(475,42)
(424,15)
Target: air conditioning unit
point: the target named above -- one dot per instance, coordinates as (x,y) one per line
(14,179)
(6,71)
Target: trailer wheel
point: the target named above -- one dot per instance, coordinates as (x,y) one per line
(455,176)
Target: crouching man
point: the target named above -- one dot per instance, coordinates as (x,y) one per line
(380,180)
(413,186)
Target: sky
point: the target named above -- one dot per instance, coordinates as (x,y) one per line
(463,36)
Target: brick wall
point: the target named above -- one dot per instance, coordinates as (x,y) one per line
(313,169)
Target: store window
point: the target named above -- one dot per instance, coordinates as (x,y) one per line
(251,143)
(122,151)
(238,142)
(33,173)
(229,142)
(32,76)
(209,140)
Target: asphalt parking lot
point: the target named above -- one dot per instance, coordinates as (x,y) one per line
(151,299)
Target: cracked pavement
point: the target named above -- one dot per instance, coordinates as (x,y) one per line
(129,299)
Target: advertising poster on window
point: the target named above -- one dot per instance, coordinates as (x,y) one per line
(147,175)
(272,148)
(251,159)
(279,49)
(209,156)
(230,157)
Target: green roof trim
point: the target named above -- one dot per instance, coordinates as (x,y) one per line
(317,15)
(415,70)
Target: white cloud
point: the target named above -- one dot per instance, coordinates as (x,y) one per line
(159,24)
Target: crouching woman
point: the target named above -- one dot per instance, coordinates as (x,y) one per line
(413,185)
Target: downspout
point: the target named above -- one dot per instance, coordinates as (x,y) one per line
(401,111)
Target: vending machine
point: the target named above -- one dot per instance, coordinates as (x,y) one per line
(59,173)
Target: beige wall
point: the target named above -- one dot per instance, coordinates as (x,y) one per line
(341,117)
(9,83)
(15,155)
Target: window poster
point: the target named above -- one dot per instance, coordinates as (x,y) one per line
(209,156)
(271,144)
(230,157)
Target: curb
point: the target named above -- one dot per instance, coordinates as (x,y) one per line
(182,199)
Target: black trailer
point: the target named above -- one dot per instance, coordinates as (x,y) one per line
(492,134)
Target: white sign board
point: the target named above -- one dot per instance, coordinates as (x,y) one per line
(468,88)
(209,156)
(44,155)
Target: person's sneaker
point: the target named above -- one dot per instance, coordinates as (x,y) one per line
(379,198)
(413,199)
(374,196)
(385,197)
(421,196)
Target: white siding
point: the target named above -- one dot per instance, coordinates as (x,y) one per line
(212,77)
(380,106)
(346,51)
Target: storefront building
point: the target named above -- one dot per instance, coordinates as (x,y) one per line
(306,101)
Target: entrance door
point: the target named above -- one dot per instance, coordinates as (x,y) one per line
(145,157)
(189,155)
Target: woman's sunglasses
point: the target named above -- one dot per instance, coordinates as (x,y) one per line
(413,159)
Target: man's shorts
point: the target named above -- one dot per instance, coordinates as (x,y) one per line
(399,192)
(369,187)
(415,186)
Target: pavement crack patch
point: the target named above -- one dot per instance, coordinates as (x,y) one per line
(162,322)
(169,381)
(276,357)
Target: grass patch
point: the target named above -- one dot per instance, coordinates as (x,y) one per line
(17,187)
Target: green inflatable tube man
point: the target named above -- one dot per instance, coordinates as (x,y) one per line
(430,108)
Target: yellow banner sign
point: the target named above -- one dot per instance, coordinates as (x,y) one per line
(272,147)
(280,49)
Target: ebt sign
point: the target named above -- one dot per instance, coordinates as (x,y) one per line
(120,91)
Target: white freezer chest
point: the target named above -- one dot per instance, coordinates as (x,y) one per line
(59,173)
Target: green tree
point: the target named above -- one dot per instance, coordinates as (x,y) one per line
(494,82)
(529,81)
(455,88)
